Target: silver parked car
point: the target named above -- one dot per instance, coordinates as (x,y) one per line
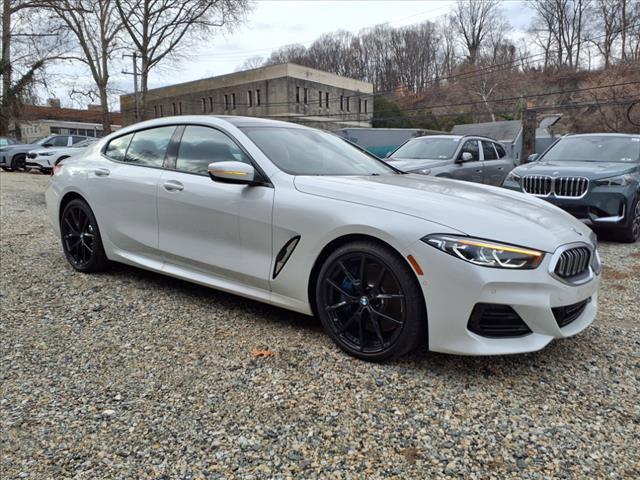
(44,159)
(469,158)
(298,218)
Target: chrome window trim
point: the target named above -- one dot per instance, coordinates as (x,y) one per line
(581,279)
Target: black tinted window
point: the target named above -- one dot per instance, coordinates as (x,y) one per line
(77,139)
(201,146)
(471,146)
(58,141)
(500,150)
(117,147)
(149,147)
(488,150)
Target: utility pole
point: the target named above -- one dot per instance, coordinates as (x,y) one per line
(529,123)
(134,57)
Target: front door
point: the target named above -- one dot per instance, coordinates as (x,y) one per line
(471,170)
(216,228)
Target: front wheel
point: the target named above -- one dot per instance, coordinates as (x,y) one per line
(19,163)
(81,240)
(631,233)
(370,302)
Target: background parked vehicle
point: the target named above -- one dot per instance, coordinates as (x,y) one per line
(469,158)
(44,159)
(382,141)
(595,177)
(4,141)
(14,157)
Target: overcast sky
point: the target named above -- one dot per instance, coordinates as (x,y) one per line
(274,23)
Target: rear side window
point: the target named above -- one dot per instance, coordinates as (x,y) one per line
(77,139)
(117,148)
(59,141)
(500,150)
(201,146)
(148,147)
(488,150)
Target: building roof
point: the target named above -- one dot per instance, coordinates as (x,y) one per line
(259,74)
(37,112)
(502,131)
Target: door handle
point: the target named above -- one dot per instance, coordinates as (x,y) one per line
(173,186)
(500,168)
(102,172)
(479,170)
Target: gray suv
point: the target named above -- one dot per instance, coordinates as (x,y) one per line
(13,157)
(470,158)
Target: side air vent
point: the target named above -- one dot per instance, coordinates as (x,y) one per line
(565,315)
(496,321)
(284,254)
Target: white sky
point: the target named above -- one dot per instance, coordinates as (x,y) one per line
(274,23)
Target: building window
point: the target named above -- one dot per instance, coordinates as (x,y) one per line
(161,112)
(155,111)
(341,102)
(211,104)
(204,105)
(365,106)
(258,98)
(297,94)
(226,102)
(173,108)
(347,102)
(326,99)
(180,108)
(249,99)
(306,96)
(319,98)
(359,105)
(233,101)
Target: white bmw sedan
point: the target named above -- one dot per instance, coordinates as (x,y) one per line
(298,218)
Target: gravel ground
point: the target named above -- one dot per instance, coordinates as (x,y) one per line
(129,374)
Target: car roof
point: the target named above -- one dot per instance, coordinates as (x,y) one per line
(456,137)
(622,135)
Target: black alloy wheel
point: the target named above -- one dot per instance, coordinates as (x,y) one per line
(370,303)
(631,233)
(19,163)
(81,237)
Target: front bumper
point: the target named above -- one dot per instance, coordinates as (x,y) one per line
(39,162)
(453,287)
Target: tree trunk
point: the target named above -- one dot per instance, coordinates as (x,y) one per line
(106,114)
(5,68)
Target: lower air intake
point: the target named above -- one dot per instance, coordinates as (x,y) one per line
(496,321)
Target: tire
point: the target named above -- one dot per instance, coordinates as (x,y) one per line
(375,320)
(7,169)
(631,233)
(18,163)
(80,238)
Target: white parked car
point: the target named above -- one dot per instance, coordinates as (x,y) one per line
(44,159)
(297,218)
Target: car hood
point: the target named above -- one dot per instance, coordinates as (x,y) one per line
(473,209)
(591,170)
(411,164)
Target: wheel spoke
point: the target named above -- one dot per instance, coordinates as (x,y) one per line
(362,271)
(386,317)
(381,275)
(361,333)
(346,271)
(348,323)
(340,289)
(71,225)
(388,296)
(330,308)
(376,328)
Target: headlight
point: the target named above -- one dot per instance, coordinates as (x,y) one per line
(486,253)
(618,181)
(512,177)
(423,171)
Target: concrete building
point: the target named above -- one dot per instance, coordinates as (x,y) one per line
(286,91)
(39,121)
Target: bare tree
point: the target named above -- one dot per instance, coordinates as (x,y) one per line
(96,26)
(252,62)
(474,19)
(25,54)
(608,21)
(159,28)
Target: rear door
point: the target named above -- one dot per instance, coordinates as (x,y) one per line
(124,187)
(495,169)
(216,228)
(470,171)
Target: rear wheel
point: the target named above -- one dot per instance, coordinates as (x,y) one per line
(81,238)
(631,233)
(370,303)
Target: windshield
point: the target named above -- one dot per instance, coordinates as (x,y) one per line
(596,148)
(299,151)
(427,148)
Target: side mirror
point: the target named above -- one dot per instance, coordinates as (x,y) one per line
(533,157)
(232,172)
(465,157)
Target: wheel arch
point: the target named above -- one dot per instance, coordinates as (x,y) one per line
(68,197)
(337,243)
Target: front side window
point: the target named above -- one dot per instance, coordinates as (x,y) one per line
(148,147)
(201,146)
(117,147)
(471,147)
(596,148)
(309,152)
(488,151)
